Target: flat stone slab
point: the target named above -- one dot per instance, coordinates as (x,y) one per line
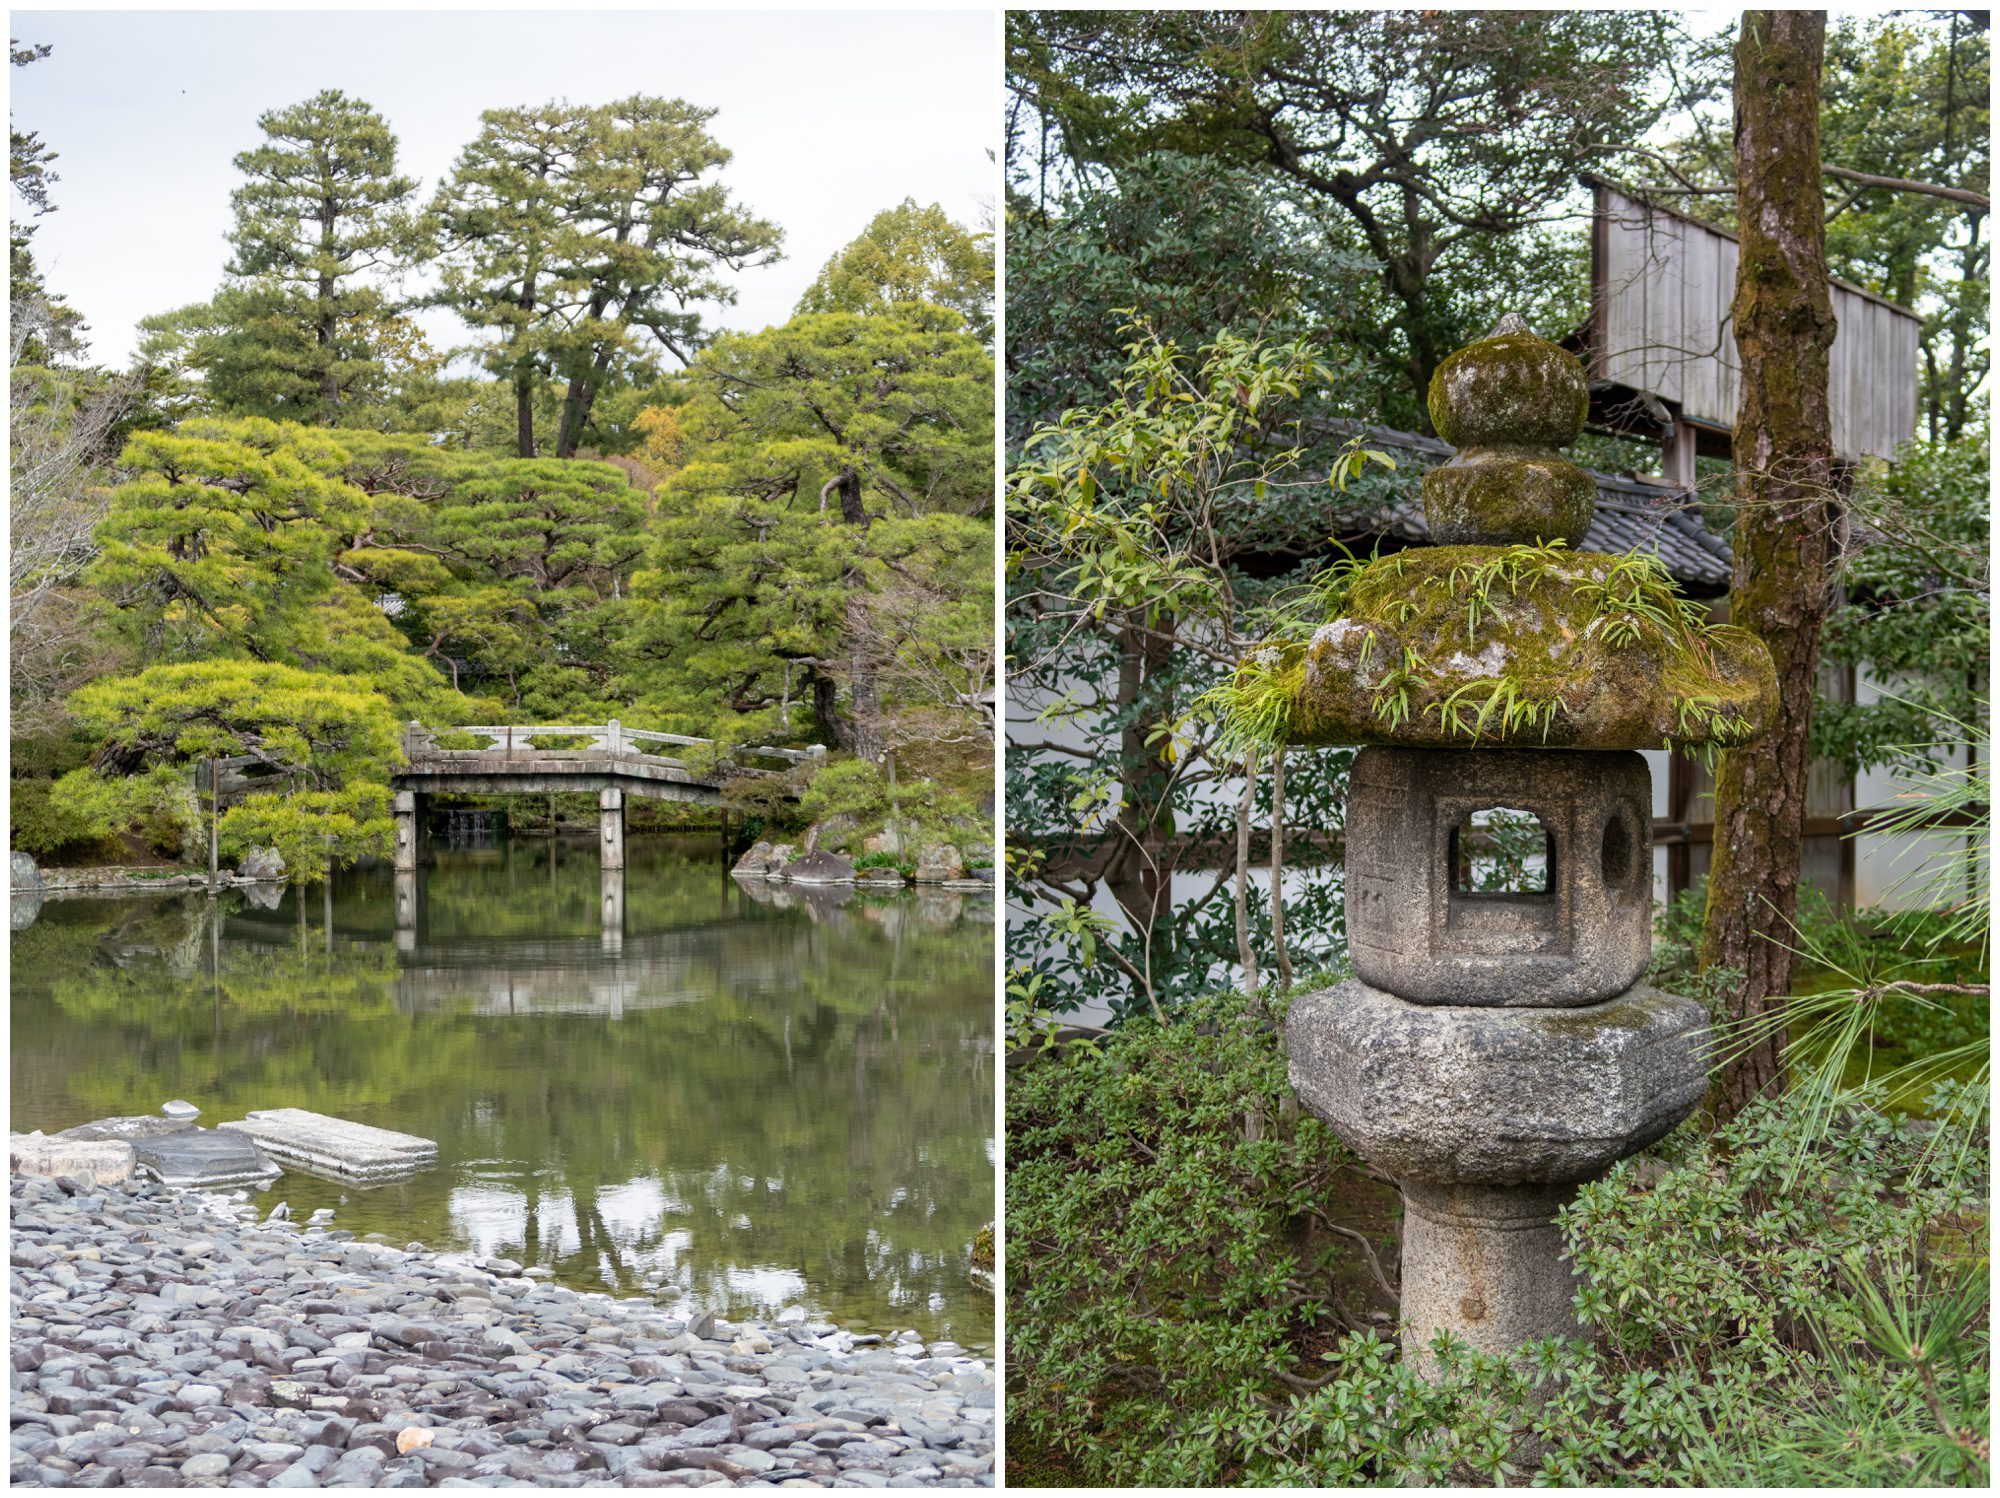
(128,1127)
(336,1147)
(106,1162)
(203,1157)
(1497,1097)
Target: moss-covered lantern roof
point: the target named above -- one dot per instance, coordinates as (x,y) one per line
(1503,635)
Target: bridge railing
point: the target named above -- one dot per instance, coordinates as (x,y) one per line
(515,741)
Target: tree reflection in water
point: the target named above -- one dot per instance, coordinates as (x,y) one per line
(741,1097)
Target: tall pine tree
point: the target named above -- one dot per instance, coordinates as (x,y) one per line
(304,330)
(572,232)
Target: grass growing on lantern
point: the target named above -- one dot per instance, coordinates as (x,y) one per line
(1547,623)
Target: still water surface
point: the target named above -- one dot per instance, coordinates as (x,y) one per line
(729,1098)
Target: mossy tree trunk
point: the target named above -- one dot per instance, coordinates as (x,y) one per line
(1787,516)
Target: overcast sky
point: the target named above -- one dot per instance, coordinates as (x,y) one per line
(831,116)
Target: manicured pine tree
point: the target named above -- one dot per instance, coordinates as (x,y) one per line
(322,219)
(570,231)
(820,458)
(509,218)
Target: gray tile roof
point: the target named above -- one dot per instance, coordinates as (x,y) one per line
(1631,516)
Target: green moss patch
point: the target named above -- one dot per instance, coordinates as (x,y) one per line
(1455,646)
(1506,496)
(1514,388)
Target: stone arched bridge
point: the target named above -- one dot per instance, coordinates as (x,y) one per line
(547,759)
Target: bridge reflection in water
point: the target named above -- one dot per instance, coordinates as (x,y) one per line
(725,1095)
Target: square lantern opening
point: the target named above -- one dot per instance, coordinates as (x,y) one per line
(1501,852)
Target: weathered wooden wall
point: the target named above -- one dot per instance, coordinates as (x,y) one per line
(1661,288)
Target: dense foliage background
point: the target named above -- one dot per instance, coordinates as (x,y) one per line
(293,526)
(1351,195)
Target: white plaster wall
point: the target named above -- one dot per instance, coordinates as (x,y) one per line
(1890,872)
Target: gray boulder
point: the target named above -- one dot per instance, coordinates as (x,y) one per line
(757,862)
(262,864)
(832,834)
(939,863)
(26,875)
(820,868)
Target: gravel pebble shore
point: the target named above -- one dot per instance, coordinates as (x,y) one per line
(163,1338)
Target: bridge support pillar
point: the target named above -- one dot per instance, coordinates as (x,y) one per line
(406,910)
(611,910)
(409,830)
(611,829)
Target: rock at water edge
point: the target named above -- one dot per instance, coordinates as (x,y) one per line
(937,864)
(262,864)
(204,1157)
(105,1162)
(757,863)
(820,868)
(336,1146)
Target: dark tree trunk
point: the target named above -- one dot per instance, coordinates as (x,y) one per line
(577,401)
(1788,512)
(862,728)
(863,673)
(524,413)
(1139,869)
(826,707)
(329,380)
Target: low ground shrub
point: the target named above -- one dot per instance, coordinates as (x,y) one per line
(1780,1302)
(85,817)
(860,789)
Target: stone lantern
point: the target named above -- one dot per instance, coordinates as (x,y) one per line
(1497,1048)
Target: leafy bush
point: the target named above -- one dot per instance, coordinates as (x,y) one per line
(84,815)
(44,824)
(314,830)
(1780,1303)
(50,752)
(858,788)
(1162,1274)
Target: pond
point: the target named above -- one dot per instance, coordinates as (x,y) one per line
(725,1095)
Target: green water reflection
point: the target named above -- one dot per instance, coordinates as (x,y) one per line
(725,1096)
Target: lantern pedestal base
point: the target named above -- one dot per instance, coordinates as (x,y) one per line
(1485,1264)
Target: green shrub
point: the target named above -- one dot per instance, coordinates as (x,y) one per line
(43,824)
(83,815)
(1781,1303)
(313,830)
(49,753)
(1161,1270)
(859,788)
